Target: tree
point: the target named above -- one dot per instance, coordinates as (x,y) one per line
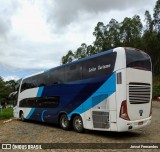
(155,48)
(156,16)
(149,22)
(112,34)
(1,79)
(108,36)
(99,31)
(131,31)
(90,50)
(81,51)
(5,89)
(69,57)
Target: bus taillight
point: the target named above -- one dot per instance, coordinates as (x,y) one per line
(123,111)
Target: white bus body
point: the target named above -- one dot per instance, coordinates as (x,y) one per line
(108,95)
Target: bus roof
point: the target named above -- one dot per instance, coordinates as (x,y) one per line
(76,61)
(83,59)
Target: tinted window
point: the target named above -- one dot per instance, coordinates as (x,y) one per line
(73,72)
(137,59)
(98,66)
(55,76)
(34,81)
(44,102)
(49,102)
(26,84)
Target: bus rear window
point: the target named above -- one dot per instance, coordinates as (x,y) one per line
(137,59)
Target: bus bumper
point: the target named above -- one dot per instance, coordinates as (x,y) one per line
(133,125)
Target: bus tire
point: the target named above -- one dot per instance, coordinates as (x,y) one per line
(78,124)
(64,122)
(22,116)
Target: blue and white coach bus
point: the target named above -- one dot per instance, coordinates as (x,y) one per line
(109,91)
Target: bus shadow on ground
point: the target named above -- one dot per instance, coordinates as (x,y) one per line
(114,135)
(107,134)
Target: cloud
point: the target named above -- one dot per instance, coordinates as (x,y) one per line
(34,35)
(14,77)
(24,41)
(7,9)
(63,12)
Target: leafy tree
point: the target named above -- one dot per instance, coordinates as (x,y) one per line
(107,37)
(99,31)
(112,34)
(151,37)
(157,16)
(131,31)
(90,50)
(69,57)
(5,89)
(1,79)
(81,51)
(149,22)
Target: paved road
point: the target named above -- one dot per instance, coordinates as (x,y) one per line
(16,131)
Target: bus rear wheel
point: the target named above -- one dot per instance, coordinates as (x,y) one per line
(64,122)
(78,124)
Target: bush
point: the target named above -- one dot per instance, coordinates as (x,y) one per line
(156,87)
(6,113)
(156,91)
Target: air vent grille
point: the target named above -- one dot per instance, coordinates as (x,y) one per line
(100,119)
(139,93)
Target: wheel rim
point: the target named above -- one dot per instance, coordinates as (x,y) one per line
(64,122)
(78,124)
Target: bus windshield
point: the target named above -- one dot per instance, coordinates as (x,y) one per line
(137,59)
(17,84)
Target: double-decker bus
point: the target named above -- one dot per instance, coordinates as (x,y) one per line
(108,91)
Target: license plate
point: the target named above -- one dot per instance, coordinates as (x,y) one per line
(140,123)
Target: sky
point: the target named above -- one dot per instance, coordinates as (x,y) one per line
(35,34)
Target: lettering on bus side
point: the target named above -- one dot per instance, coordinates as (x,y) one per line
(94,67)
(99,66)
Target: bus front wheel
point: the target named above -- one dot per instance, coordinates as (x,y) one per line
(78,124)
(64,122)
(22,116)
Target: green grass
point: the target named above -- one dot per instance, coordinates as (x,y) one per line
(6,113)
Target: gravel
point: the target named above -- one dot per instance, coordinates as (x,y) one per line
(15,131)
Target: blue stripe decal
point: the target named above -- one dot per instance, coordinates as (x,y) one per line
(108,87)
(40,90)
(42,115)
(30,113)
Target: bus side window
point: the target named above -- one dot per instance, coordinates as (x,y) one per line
(56,76)
(50,102)
(73,72)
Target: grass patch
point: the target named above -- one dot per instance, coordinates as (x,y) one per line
(6,113)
